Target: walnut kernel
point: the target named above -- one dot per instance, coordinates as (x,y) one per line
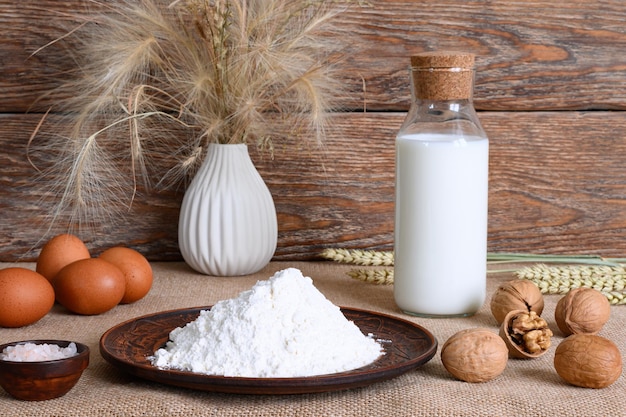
(516,295)
(474,355)
(582,310)
(526,334)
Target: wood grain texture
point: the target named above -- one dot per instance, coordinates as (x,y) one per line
(532,55)
(557,185)
(557,176)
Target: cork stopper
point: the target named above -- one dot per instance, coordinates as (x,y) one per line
(443,75)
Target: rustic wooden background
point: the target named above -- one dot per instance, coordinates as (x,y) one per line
(550,89)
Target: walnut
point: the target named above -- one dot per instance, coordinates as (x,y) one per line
(588,360)
(516,295)
(582,310)
(474,355)
(526,334)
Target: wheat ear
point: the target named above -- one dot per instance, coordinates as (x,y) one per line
(373,276)
(359,257)
(609,280)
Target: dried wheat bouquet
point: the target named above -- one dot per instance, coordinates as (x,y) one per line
(155,82)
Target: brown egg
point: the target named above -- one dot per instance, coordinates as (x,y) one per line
(89,286)
(25,297)
(60,251)
(136,269)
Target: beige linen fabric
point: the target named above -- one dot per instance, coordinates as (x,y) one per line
(527,387)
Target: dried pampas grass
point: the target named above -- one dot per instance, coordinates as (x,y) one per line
(157,81)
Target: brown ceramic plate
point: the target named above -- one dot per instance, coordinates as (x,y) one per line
(129,344)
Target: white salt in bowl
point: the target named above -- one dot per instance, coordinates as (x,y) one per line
(43,380)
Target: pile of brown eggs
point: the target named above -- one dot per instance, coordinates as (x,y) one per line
(66,272)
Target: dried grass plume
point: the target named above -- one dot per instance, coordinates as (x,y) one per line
(157,81)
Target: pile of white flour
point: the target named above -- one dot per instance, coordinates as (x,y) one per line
(281,327)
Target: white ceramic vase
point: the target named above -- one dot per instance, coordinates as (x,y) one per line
(227,224)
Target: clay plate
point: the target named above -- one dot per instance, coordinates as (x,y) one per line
(129,344)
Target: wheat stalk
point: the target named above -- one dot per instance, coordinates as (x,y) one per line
(362,257)
(603,274)
(156,81)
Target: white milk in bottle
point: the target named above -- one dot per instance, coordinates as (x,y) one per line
(441,225)
(442,158)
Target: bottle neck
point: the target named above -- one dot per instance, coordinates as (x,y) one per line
(452,117)
(442,110)
(442,97)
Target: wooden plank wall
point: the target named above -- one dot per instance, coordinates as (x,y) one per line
(550,89)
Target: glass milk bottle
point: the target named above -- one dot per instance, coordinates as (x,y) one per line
(442,157)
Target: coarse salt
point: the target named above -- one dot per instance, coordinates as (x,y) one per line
(281,327)
(32,352)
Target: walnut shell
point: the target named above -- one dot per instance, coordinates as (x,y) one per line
(526,334)
(516,295)
(474,355)
(588,360)
(582,310)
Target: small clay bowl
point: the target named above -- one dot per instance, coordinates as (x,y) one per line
(44,380)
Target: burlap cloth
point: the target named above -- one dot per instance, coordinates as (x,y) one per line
(526,388)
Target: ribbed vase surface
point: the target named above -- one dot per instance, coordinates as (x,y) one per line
(227,224)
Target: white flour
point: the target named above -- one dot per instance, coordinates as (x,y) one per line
(281,327)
